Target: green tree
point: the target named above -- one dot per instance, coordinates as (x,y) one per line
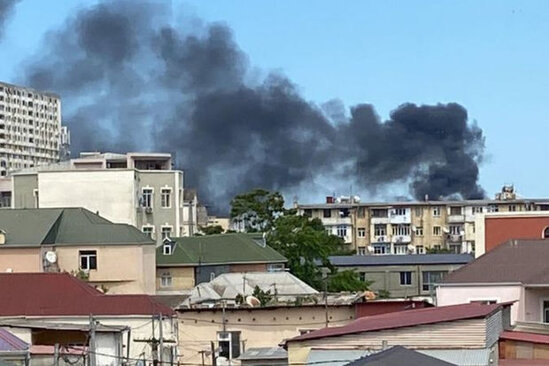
(257,210)
(211,230)
(302,240)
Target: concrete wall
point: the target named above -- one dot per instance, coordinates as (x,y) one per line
(20,259)
(182,278)
(453,295)
(122,269)
(108,192)
(259,327)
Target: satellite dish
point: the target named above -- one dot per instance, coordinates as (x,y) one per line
(411,247)
(51,257)
(446,230)
(252,301)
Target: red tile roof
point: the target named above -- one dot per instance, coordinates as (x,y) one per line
(525,337)
(405,319)
(60,294)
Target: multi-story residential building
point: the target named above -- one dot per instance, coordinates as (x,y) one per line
(30,128)
(412,227)
(140,189)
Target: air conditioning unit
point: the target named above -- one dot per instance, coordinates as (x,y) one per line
(148,210)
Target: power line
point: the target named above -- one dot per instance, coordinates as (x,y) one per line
(267,324)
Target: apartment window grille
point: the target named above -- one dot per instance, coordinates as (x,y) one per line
(166,232)
(380,229)
(437,231)
(229,344)
(419,231)
(149,230)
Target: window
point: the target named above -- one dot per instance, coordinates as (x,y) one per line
(166,232)
(167,249)
(456,229)
(308,212)
(400,211)
(88,259)
(437,231)
(455,210)
(401,249)
(149,230)
(361,232)
(493,208)
(419,211)
(436,211)
(379,213)
(342,231)
(546,311)
(275,267)
(419,231)
(420,249)
(361,250)
(512,208)
(432,278)
(344,212)
(546,233)
(327,213)
(362,276)
(361,212)
(380,229)
(147,198)
(405,278)
(380,249)
(166,280)
(229,344)
(477,209)
(401,229)
(166,197)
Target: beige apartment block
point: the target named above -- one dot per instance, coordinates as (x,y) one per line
(415,226)
(140,189)
(30,129)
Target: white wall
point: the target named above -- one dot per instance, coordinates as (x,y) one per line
(112,193)
(453,295)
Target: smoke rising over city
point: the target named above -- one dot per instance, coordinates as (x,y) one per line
(133,79)
(6,10)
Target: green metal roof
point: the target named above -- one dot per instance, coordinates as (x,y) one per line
(219,249)
(64,226)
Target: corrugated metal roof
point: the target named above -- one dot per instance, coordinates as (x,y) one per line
(10,342)
(56,294)
(334,357)
(388,260)
(461,357)
(525,337)
(264,353)
(219,249)
(405,319)
(398,356)
(516,261)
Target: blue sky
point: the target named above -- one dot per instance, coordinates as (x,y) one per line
(490,56)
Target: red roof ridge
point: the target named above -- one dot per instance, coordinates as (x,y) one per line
(514,335)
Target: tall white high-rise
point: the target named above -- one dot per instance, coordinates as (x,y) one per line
(30,128)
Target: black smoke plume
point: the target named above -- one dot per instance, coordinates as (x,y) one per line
(133,79)
(6,9)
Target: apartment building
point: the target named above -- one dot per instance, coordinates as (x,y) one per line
(140,189)
(412,227)
(30,128)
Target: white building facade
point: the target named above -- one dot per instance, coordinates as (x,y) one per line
(30,129)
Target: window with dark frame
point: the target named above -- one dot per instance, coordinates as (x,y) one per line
(88,259)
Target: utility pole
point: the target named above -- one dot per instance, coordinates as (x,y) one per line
(91,348)
(326,301)
(214,361)
(160,335)
(56,354)
(202,356)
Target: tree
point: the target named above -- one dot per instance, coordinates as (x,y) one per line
(302,240)
(257,210)
(211,230)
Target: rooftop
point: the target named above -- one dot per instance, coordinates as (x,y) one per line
(264,353)
(405,319)
(398,356)
(9,342)
(391,260)
(482,202)
(219,249)
(515,261)
(60,294)
(64,226)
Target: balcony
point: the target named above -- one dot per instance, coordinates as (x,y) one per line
(401,239)
(379,220)
(454,238)
(380,239)
(456,219)
(329,221)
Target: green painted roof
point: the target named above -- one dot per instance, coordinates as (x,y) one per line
(219,249)
(64,226)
